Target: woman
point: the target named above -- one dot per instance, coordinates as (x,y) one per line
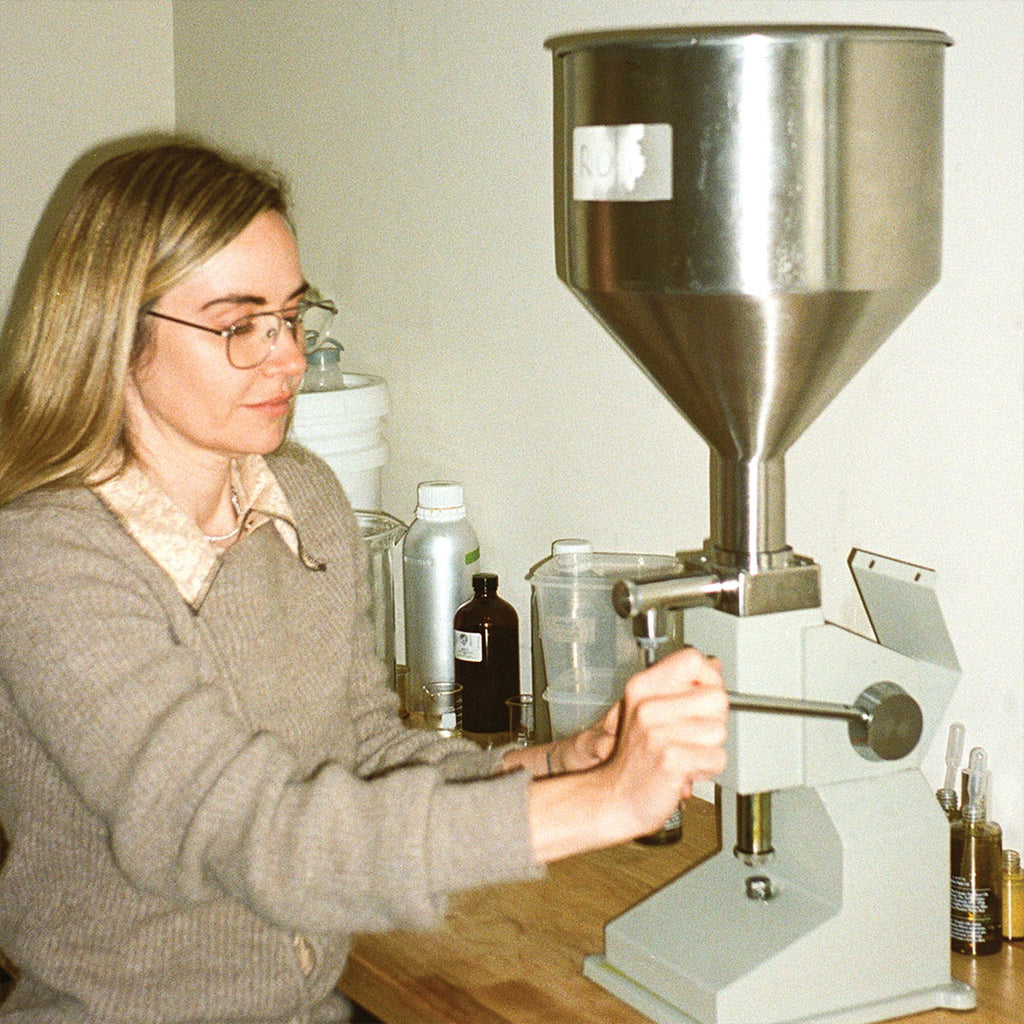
(206,786)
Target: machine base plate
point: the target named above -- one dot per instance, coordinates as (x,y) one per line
(956,995)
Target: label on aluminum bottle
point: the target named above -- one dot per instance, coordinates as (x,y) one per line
(469,646)
(622,162)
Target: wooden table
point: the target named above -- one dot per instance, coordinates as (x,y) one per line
(513,954)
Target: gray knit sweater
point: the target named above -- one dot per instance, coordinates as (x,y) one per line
(202,806)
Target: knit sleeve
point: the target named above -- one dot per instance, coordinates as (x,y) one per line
(198,804)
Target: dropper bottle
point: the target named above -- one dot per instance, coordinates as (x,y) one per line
(954,752)
(976,853)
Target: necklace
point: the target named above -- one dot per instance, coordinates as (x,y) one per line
(219,538)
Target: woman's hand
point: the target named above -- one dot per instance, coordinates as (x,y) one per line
(671,734)
(628,774)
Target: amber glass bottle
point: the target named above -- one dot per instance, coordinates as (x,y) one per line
(976,884)
(1013,896)
(486,661)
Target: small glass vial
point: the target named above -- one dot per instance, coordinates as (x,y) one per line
(1013,896)
(323,367)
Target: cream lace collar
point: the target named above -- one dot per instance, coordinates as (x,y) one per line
(173,539)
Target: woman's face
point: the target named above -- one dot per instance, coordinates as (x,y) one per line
(184,399)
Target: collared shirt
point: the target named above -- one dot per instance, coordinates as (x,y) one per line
(172,538)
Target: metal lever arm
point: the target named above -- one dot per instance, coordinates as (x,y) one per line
(795,706)
(885,722)
(635,597)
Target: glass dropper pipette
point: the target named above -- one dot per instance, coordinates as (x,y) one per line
(954,752)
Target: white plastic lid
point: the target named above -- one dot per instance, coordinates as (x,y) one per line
(439,496)
(596,569)
(572,546)
(573,554)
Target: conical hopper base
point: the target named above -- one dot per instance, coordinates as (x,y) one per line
(750,374)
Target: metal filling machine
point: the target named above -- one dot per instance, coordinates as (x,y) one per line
(751,211)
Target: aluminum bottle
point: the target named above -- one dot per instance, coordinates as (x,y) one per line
(438,557)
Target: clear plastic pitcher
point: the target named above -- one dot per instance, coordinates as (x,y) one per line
(583,652)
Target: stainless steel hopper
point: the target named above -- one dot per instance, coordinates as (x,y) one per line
(750,211)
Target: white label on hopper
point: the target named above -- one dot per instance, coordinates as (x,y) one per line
(622,162)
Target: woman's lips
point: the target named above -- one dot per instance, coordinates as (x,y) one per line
(279,406)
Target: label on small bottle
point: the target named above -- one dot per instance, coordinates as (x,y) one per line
(469,646)
(975,913)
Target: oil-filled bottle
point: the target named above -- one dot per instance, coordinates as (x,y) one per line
(1013,896)
(486,645)
(976,876)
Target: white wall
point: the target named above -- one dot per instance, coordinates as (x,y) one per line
(417,136)
(73,74)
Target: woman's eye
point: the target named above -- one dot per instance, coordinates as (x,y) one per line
(241,328)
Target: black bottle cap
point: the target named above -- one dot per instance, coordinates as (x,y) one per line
(485,584)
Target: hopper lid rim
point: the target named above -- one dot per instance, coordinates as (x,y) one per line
(672,35)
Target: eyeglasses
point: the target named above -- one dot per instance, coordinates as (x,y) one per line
(250,340)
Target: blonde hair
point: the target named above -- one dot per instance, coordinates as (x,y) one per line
(141,222)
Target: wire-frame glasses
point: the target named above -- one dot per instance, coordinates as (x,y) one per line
(251,339)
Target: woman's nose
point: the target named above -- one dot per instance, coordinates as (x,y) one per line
(288,357)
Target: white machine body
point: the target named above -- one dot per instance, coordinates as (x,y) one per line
(857,926)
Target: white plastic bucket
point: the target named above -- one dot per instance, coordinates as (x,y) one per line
(346,429)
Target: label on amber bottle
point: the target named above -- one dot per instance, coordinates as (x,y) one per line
(974,921)
(469,646)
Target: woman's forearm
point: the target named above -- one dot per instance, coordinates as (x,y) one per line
(573,813)
(540,761)
(586,749)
